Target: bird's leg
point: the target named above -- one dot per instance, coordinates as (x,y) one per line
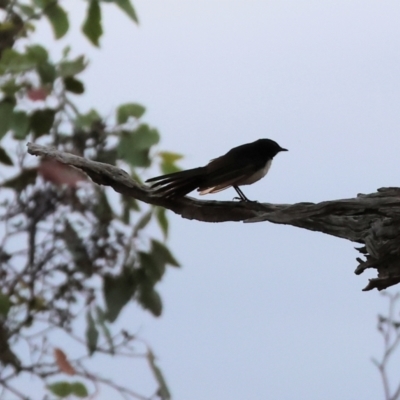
(241,197)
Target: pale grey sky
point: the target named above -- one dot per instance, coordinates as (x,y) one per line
(260,311)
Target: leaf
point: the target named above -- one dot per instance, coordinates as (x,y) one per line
(63,363)
(4,157)
(118,290)
(60,389)
(71,68)
(20,125)
(143,221)
(145,137)
(5,305)
(88,119)
(162,220)
(126,6)
(129,110)
(150,300)
(47,72)
(162,253)
(42,121)
(12,61)
(152,268)
(6,115)
(58,19)
(21,181)
(101,318)
(169,157)
(73,85)
(163,391)
(92,25)
(128,204)
(37,53)
(92,334)
(79,389)
(27,10)
(11,87)
(136,158)
(168,162)
(134,146)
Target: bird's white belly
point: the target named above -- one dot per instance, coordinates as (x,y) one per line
(257,175)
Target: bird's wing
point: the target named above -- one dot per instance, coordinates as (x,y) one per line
(226,172)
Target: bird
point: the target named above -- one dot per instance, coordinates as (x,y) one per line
(242,165)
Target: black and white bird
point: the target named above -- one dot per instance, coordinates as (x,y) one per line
(242,165)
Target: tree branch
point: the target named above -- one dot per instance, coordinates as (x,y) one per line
(372,220)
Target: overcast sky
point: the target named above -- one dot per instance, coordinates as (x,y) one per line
(261,311)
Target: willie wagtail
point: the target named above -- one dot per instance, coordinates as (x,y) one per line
(242,165)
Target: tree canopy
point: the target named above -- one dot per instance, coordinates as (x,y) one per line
(71,259)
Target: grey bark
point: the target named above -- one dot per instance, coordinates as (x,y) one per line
(371,220)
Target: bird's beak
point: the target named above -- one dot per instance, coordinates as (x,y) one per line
(282,149)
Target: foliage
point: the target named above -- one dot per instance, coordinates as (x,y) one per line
(67,253)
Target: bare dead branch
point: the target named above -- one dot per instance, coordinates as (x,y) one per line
(372,220)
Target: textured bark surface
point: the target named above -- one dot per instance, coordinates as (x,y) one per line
(371,220)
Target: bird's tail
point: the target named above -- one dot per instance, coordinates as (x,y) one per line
(178,184)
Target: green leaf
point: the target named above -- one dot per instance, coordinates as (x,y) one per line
(134,146)
(21,181)
(73,85)
(88,119)
(42,121)
(79,389)
(145,137)
(6,116)
(47,72)
(152,268)
(58,19)
(118,290)
(162,391)
(162,220)
(60,389)
(162,253)
(92,334)
(92,25)
(20,125)
(168,162)
(12,61)
(143,221)
(27,10)
(127,151)
(10,87)
(66,51)
(127,7)
(37,53)
(129,110)
(4,157)
(169,157)
(5,304)
(71,68)
(150,300)
(134,158)
(101,320)
(128,204)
